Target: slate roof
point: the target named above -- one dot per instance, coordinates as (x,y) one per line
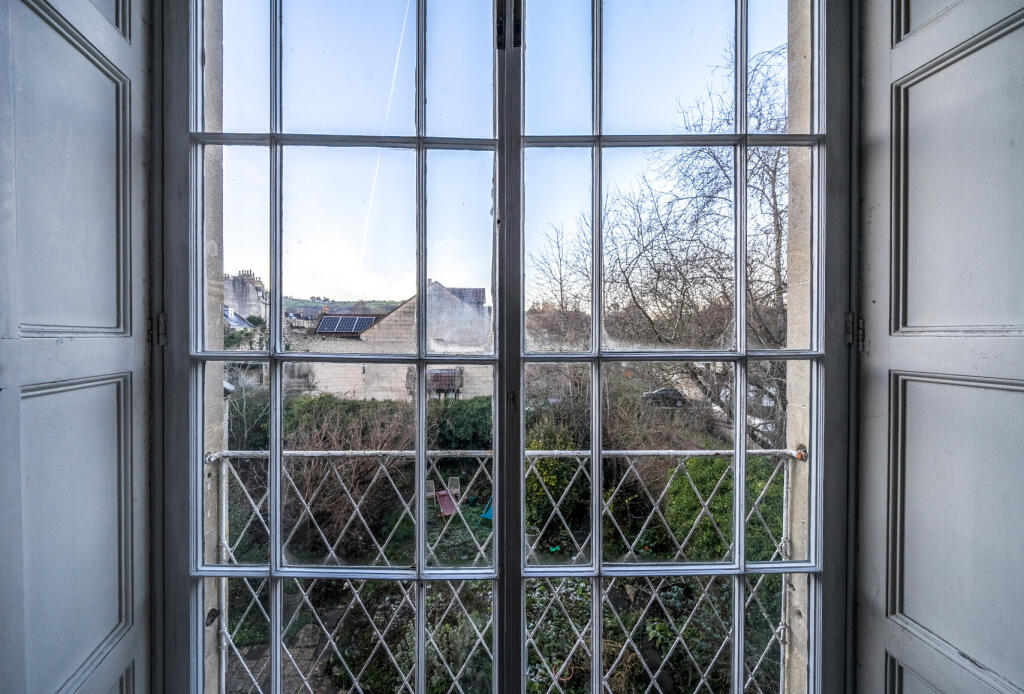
(474,296)
(235,321)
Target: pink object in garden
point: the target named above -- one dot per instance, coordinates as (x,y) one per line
(444,499)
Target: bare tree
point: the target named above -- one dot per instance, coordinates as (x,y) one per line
(335,487)
(668,245)
(558,292)
(248,406)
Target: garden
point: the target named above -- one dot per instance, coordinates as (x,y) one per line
(359,636)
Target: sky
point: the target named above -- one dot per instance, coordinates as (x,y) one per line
(348,67)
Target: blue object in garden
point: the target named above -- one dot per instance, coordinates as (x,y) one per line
(488,512)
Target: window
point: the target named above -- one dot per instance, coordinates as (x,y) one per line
(507,360)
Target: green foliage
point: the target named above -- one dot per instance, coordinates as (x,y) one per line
(654,629)
(554,635)
(561,425)
(557,475)
(246,338)
(760,546)
(357,641)
(684,506)
(249,539)
(355,423)
(460,425)
(236,338)
(453,638)
(248,627)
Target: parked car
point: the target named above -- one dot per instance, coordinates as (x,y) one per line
(665,397)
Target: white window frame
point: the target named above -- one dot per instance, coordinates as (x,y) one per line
(177,612)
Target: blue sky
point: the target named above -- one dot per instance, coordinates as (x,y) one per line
(349,68)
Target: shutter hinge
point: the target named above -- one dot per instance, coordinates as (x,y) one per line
(161,329)
(854,329)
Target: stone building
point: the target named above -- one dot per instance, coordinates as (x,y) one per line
(246,295)
(458,320)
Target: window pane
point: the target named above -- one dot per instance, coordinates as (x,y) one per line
(460,68)
(779,269)
(665,500)
(236,417)
(348,636)
(558,634)
(668,241)
(236,66)
(667,634)
(460,465)
(557,64)
(775,629)
(460,636)
(349,239)
(668,66)
(349,67)
(236,234)
(557,465)
(778,483)
(236,634)
(557,258)
(352,503)
(460,251)
(362,232)
(779,66)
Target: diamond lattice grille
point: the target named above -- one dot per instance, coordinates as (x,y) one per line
(459,636)
(558,518)
(245,536)
(666,509)
(765,635)
(668,634)
(356,636)
(458,534)
(349,511)
(244,633)
(558,635)
(766,501)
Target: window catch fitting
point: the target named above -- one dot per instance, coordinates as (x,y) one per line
(854,330)
(161,329)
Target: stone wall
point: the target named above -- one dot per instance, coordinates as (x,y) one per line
(796,597)
(213,388)
(375,381)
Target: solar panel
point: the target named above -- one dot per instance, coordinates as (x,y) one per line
(328,324)
(345,324)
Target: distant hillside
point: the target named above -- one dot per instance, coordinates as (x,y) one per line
(369,306)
